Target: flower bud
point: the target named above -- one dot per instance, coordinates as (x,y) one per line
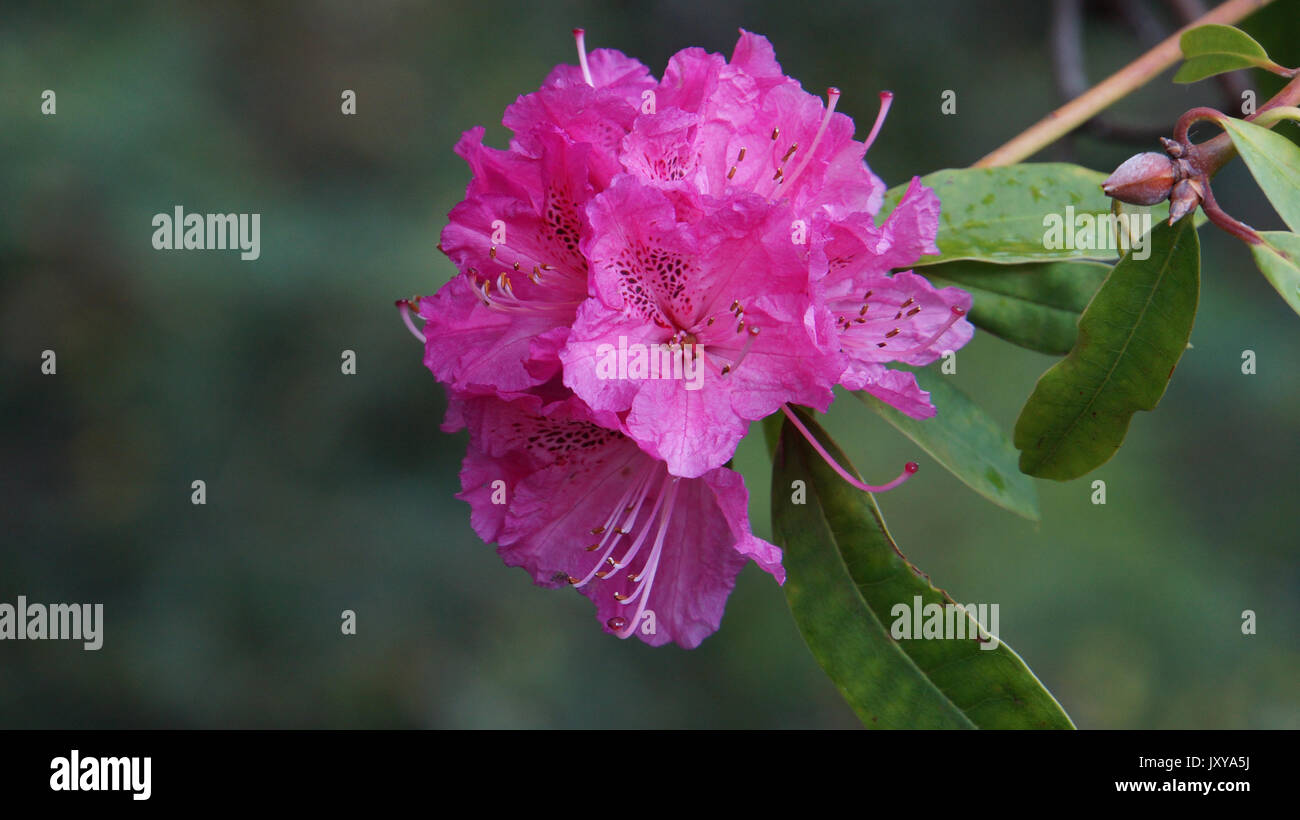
(1144,179)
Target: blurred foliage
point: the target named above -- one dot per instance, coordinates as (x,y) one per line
(329,492)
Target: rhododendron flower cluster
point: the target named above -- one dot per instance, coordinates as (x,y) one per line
(650,266)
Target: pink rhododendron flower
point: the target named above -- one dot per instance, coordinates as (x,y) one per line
(723,278)
(593,104)
(744,127)
(648,268)
(586,507)
(885,318)
(498,325)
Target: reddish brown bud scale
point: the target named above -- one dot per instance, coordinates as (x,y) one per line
(1144,179)
(1187,195)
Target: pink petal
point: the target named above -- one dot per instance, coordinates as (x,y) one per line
(471,347)
(610,69)
(569,482)
(903,315)
(595,118)
(897,388)
(690,80)
(664,149)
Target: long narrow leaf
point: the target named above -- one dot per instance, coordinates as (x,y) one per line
(1130,339)
(846,583)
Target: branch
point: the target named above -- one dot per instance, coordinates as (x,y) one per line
(1118,85)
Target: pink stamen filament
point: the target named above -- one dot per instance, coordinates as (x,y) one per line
(608,530)
(666,488)
(886,99)
(580,35)
(744,351)
(404,307)
(629,524)
(908,470)
(652,566)
(832,98)
(957,314)
(602,563)
(506,301)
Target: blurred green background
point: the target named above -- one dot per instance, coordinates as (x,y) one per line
(328,492)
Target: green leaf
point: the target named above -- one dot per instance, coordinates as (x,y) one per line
(999,214)
(1274,161)
(1036,305)
(845,578)
(1213,49)
(1130,339)
(1031,212)
(968,443)
(1279,260)
(1216,38)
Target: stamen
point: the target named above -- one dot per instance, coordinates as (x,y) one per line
(551,302)
(886,99)
(579,36)
(832,98)
(744,351)
(636,545)
(404,307)
(957,314)
(599,571)
(593,547)
(652,565)
(909,469)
